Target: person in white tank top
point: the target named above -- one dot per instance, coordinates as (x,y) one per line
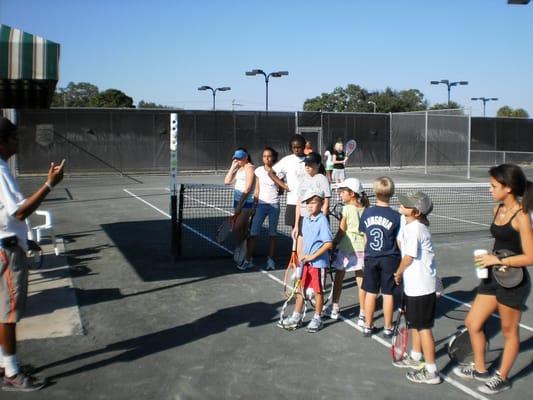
(241,174)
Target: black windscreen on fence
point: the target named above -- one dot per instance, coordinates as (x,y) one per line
(137,140)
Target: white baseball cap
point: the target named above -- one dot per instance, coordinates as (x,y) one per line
(353,184)
(312,193)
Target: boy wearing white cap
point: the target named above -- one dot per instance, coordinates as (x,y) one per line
(418,272)
(317,240)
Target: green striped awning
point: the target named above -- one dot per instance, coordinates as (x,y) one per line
(29,69)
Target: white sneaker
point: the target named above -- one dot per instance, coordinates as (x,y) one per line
(361,321)
(271,265)
(245,264)
(334,314)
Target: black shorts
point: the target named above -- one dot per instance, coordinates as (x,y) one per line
(420,311)
(290,214)
(513,297)
(378,273)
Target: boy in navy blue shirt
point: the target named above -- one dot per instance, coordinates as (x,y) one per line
(380,224)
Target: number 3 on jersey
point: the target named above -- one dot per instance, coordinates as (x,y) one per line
(376,239)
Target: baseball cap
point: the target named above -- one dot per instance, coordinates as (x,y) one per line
(353,184)
(313,158)
(239,154)
(418,200)
(312,193)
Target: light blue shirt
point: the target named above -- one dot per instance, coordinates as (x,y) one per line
(316,232)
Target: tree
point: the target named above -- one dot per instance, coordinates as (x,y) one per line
(149,104)
(508,112)
(445,106)
(354,98)
(112,98)
(75,95)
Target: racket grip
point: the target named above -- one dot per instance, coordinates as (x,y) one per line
(299,272)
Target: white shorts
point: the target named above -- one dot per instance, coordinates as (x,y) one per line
(338,175)
(349,261)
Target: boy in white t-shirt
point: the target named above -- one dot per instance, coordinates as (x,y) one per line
(418,272)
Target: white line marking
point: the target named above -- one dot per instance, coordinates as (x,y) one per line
(459,219)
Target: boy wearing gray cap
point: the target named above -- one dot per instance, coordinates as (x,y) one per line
(418,272)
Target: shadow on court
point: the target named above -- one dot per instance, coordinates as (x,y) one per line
(253,314)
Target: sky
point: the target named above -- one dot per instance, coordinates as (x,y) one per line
(163,50)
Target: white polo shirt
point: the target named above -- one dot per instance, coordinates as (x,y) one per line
(292,168)
(10,201)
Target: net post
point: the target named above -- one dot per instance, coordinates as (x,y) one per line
(390,141)
(469,144)
(179,231)
(173,185)
(426,144)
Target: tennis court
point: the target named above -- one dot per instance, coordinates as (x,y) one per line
(200,329)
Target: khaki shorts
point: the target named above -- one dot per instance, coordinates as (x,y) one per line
(13,284)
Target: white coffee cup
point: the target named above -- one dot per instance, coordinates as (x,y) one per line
(482,273)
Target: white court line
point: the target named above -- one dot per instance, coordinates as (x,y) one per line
(459,219)
(185,225)
(380,340)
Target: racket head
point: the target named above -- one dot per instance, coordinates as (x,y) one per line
(350,147)
(290,277)
(225,229)
(400,337)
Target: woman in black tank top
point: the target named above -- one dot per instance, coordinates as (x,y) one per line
(511,229)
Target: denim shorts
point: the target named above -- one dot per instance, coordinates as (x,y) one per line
(262,211)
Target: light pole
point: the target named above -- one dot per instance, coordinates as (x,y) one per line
(484,100)
(449,85)
(277,74)
(214,91)
(374,104)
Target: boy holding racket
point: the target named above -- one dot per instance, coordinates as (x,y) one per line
(418,273)
(317,241)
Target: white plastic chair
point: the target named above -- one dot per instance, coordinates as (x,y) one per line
(46,227)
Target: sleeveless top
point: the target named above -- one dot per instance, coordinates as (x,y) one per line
(505,236)
(339,156)
(240,184)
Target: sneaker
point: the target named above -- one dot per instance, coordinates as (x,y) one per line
(422,375)
(271,265)
(314,325)
(22,383)
(387,333)
(334,314)
(361,321)
(495,384)
(408,362)
(469,372)
(245,264)
(290,323)
(368,331)
(240,252)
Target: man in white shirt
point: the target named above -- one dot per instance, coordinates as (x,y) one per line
(14,209)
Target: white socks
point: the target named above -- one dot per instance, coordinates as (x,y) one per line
(416,356)
(11,365)
(431,368)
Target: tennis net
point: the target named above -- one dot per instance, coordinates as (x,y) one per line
(458,207)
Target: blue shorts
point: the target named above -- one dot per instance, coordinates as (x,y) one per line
(261,212)
(379,274)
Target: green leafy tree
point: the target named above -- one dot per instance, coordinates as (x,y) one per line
(354,98)
(445,106)
(75,95)
(149,104)
(112,98)
(508,112)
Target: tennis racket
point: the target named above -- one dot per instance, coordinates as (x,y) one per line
(350,147)
(225,229)
(459,347)
(400,334)
(292,282)
(35,254)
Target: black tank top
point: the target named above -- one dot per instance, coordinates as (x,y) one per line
(505,236)
(339,156)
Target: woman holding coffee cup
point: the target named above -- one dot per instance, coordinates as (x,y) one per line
(511,229)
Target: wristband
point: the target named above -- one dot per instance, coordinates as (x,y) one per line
(50,187)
